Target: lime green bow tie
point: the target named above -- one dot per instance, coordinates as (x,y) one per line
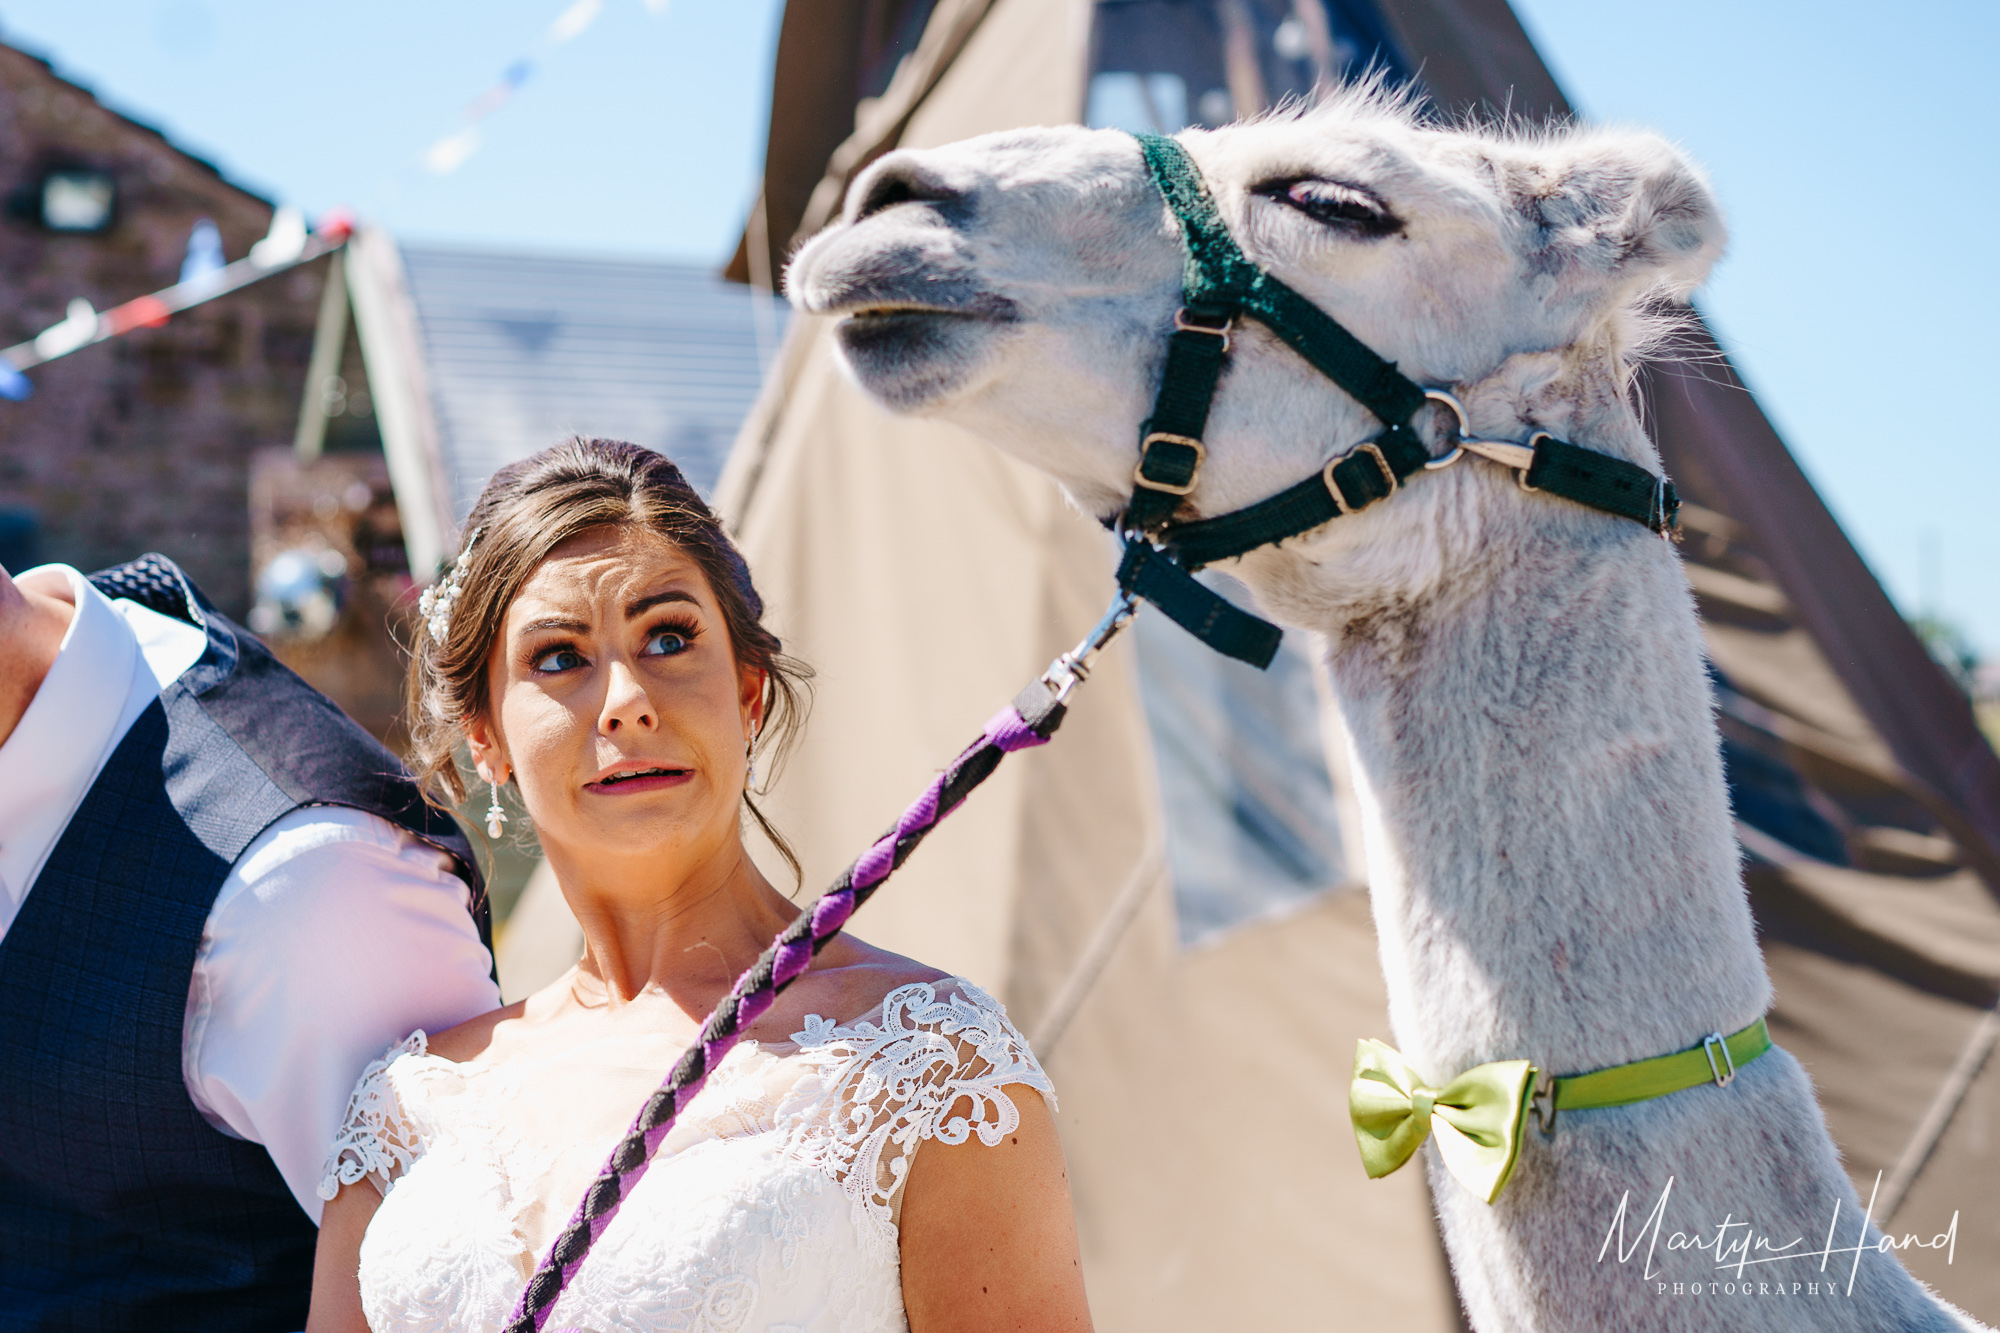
(1476,1118)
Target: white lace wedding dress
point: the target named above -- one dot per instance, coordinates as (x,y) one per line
(772,1206)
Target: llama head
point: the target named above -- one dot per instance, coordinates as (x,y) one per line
(1022,284)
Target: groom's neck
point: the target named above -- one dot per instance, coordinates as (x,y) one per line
(32,624)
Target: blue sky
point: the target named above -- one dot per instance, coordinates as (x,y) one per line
(1846,140)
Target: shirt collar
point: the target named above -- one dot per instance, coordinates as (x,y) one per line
(61,741)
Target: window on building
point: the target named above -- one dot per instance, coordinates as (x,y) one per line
(78,201)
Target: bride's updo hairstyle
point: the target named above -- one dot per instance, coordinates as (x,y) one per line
(527,510)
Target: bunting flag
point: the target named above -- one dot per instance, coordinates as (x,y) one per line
(449,153)
(203,278)
(204,252)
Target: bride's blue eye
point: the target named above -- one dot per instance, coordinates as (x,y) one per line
(669,641)
(564,658)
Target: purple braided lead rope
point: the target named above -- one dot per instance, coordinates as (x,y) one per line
(1029,721)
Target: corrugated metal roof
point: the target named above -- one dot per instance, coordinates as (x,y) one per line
(525,349)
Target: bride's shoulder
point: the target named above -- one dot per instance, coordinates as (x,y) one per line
(474,1037)
(857,981)
(878,1002)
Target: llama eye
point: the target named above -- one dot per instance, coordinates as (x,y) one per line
(1333,204)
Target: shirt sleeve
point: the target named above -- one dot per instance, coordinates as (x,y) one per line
(335,934)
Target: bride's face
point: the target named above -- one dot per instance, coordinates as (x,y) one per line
(618,704)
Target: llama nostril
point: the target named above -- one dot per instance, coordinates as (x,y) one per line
(901,179)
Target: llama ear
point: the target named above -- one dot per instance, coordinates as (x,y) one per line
(1624,211)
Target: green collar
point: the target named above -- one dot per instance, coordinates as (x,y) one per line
(1716,1061)
(1479,1118)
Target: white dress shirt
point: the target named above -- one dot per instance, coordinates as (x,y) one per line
(335,934)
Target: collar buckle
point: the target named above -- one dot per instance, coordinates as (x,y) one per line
(1724,1072)
(1542,1103)
(1340,501)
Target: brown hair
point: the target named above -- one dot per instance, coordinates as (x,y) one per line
(527,510)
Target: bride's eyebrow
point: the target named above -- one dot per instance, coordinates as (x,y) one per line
(633,610)
(563,623)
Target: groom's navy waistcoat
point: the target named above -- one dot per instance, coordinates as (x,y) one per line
(121,1208)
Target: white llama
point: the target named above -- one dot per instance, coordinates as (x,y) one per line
(1551,854)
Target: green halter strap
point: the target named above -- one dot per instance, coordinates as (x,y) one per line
(1219,285)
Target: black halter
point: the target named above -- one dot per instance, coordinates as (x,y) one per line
(1219,286)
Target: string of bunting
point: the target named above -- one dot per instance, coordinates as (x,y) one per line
(449,153)
(204,275)
(203,278)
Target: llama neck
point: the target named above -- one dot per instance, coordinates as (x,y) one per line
(1551,856)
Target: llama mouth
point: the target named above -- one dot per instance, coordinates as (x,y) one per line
(909,358)
(899,311)
(903,322)
(914,319)
(877,305)
(911,353)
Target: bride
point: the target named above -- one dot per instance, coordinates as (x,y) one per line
(597,644)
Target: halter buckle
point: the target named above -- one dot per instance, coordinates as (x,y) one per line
(1724,1073)
(1340,501)
(1665,517)
(1185,323)
(1139,477)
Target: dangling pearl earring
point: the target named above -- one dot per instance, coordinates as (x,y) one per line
(496,817)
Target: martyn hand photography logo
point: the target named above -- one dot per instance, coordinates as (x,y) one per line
(1736,1259)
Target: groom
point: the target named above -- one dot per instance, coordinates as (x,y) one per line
(219,899)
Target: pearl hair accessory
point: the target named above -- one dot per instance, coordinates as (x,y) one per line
(437,601)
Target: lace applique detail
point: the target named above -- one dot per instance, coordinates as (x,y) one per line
(377,1141)
(772,1208)
(934,1068)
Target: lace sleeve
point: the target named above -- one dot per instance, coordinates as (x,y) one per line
(936,1067)
(378,1140)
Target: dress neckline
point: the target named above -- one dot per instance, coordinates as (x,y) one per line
(816,1032)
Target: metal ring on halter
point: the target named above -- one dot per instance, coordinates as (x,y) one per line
(1519,457)
(1464,429)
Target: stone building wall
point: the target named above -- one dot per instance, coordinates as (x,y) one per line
(143,442)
